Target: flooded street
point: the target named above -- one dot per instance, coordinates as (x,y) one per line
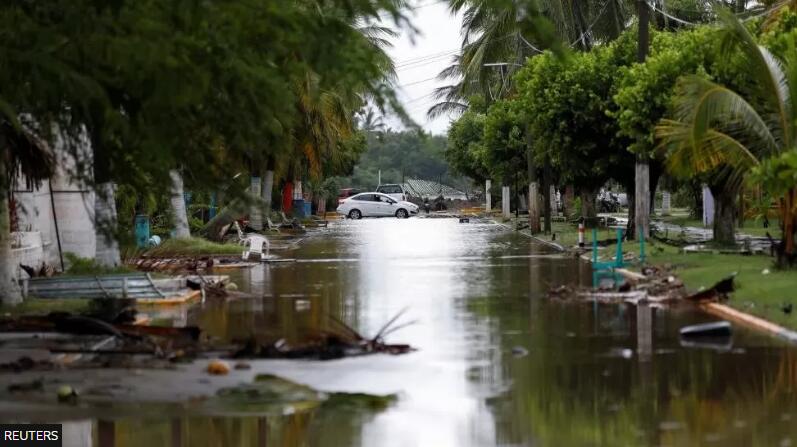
(496,362)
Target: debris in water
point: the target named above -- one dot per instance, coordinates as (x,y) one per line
(657,287)
(715,329)
(718,292)
(327,345)
(218,368)
(519,351)
(67,394)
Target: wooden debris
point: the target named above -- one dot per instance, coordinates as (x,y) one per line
(718,292)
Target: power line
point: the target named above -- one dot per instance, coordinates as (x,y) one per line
(419,59)
(385,15)
(594,22)
(419,82)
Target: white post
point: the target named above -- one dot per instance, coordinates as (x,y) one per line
(488,206)
(379,179)
(666,202)
(553,201)
(505,202)
(708,207)
(181,229)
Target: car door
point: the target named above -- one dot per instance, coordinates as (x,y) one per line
(387,206)
(366,205)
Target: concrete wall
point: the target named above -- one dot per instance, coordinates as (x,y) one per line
(74,210)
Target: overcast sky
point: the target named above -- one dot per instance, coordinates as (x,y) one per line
(418,60)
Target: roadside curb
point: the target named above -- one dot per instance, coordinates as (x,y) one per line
(531,236)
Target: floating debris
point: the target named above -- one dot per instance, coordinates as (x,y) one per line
(718,292)
(218,368)
(327,345)
(715,329)
(67,394)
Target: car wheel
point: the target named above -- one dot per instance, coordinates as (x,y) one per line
(402,214)
(355,214)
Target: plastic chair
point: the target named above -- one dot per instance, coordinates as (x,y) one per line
(606,269)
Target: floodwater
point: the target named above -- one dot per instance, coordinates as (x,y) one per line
(496,363)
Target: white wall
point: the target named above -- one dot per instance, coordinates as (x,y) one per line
(74,209)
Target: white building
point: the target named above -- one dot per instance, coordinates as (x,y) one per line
(54,218)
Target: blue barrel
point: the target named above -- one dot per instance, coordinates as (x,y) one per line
(298,208)
(308,208)
(142,231)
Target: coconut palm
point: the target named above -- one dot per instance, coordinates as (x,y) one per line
(499,35)
(720,132)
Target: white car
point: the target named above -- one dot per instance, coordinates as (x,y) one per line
(374,204)
(394,190)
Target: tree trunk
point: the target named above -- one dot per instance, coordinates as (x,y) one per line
(546,189)
(181,229)
(534,208)
(641,198)
(629,228)
(534,203)
(742,210)
(10,293)
(724,215)
(786,255)
(570,198)
(506,211)
(588,210)
(256,207)
(105,220)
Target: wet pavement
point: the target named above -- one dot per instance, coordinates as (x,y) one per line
(497,363)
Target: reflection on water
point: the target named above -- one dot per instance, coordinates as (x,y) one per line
(592,375)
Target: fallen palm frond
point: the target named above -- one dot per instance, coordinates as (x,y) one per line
(343,341)
(191,247)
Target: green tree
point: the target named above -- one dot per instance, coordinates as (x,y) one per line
(466,151)
(714,127)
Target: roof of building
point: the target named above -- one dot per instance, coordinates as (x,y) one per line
(427,188)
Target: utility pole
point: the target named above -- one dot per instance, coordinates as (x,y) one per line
(642,168)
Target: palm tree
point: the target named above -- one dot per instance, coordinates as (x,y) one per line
(499,36)
(327,108)
(718,131)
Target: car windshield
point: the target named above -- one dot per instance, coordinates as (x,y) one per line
(390,189)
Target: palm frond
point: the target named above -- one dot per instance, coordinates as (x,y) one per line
(705,105)
(445,108)
(715,152)
(24,153)
(763,67)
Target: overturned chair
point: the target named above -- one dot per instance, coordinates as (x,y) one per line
(253,244)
